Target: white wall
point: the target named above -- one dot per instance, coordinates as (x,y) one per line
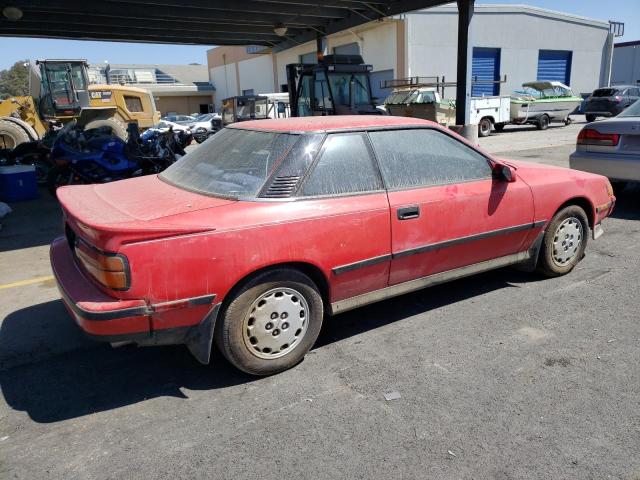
(377,43)
(626,65)
(257,74)
(224,79)
(519,32)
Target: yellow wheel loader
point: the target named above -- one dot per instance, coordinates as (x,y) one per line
(60,92)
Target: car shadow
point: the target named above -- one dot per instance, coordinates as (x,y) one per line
(31,223)
(55,384)
(627,203)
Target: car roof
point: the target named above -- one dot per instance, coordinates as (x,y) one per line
(334,122)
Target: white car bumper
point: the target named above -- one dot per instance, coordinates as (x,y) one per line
(616,167)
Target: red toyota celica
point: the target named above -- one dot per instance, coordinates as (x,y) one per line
(253,237)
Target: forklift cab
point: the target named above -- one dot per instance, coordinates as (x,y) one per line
(340,85)
(61,87)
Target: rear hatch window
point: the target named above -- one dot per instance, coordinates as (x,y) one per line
(605,92)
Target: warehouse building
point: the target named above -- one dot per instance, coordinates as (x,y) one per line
(176,89)
(522,42)
(626,63)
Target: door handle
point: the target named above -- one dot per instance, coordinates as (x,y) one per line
(407,213)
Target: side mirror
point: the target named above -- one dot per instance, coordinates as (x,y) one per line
(504,172)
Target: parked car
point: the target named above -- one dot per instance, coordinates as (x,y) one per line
(164,125)
(179,119)
(610,101)
(611,148)
(271,224)
(205,125)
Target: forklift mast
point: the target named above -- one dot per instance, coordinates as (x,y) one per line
(337,85)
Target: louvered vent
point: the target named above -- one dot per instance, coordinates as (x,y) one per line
(282,187)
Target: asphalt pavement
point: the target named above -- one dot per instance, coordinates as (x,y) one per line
(504,375)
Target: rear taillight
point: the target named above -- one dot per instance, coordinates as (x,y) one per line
(109,269)
(589,136)
(617,98)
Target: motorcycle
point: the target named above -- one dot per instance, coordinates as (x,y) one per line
(96,156)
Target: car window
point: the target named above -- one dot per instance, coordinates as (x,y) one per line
(634,92)
(232,163)
(343,166)
(426,157)
(632,111)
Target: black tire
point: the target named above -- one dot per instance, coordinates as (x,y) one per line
(543,122)
(199,140)
(498,127)
(118,128)
(57,177)
(12,135)
(484,127)
(547,262)
(229,334)
(590,118)
(43,167)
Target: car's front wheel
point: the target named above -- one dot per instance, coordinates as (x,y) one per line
(271,323)
(564,242)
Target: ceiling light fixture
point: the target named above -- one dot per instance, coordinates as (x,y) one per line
(12,13)
(280,29)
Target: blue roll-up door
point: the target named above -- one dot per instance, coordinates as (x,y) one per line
(485,67)
(554,65)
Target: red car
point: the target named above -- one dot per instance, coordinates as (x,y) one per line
(269,225)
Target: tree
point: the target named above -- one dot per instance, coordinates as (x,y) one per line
(15,80)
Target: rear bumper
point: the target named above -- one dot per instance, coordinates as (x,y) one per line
(114,320)
(619,167)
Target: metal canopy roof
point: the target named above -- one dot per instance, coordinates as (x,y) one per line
(205,22)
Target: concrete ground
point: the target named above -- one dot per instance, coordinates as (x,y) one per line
(499,376)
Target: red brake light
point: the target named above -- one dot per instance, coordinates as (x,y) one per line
(618,98)
(589,136)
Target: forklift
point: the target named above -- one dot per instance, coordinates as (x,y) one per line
(336,85)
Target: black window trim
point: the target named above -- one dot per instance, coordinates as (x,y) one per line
(295,197)
(297,194)
(489,160)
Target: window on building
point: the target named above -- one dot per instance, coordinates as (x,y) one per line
(347,49)
(284,88)
(248,91)
(426,157)
(344,166)
(309,58)
(134,104)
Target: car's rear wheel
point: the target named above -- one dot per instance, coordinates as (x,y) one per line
(543,122)
(271,323)
(564,242)
(590,118)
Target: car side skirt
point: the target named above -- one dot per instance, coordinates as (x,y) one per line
(428,281)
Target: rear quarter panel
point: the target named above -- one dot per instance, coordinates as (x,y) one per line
(250,236)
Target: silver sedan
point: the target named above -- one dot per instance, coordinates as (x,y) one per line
(611,147)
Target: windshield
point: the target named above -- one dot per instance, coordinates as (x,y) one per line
(632,111)
(340,88)
(232,163)
(204,117)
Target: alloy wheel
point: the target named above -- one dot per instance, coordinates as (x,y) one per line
(275,323)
